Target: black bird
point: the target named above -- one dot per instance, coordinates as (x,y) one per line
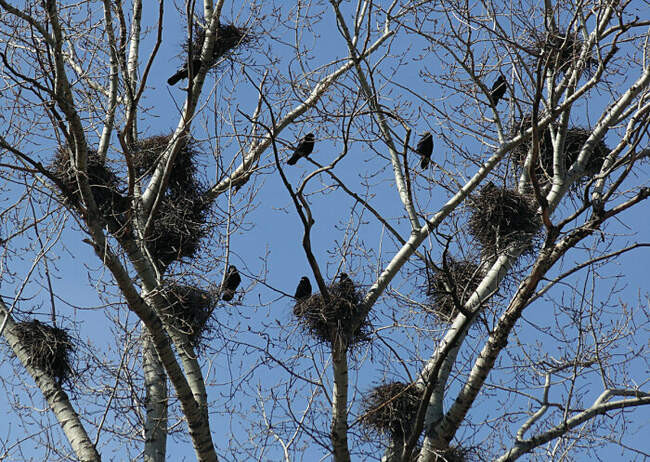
(304,148)
(425,148)
(345,286)
(230,284)
(498,89)
(182,72)
(304,289)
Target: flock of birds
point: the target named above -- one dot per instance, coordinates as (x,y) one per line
(305,146)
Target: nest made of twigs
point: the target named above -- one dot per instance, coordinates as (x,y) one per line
(465,275)
(391,408)
(561,50)
(331,321)
(104,185)
(502,217)
(189,310)
(574,140)
(178,226)
(147,152)
(455,454)
(229,38)
(48,348)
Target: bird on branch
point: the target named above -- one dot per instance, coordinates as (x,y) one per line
(230,284)
(303,290)
(183,73)
(425,148)
(304,148)
(498,89)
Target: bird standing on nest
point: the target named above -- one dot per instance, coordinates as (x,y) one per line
(303,290)
(345,286)
(425,148)
(304,148)
(230,284)
(498,89)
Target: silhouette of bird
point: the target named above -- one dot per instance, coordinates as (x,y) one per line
(498,89)
(345,286)
(304,148)
(230,284)
(182,72)
(425,148)
(304,289)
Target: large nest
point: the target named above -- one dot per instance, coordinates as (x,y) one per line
(229,38)
(147,152)
(391,408)
(179,222)
(331,321)
(48,348)
(560,51)
(104,185)
(465,277)
(189,310)
(574,140)
(455,454)
(502,217)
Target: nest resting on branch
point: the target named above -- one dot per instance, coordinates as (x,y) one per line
(574,140)
(561,50)
(189,310)
(104,185)
(229,37)
(48,348)
(466,277)
(391,408)
(502,217)
(329,321)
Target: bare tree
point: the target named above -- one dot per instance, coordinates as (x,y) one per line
(464,308)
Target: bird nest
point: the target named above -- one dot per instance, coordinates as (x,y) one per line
(561,50)
(463,277)
(455,454)
(104,185)
(188,310)
(501,218)
(48,348)
(574,140)
(334,320)
(229,37)
(391,408)
(177,227)
(147,152)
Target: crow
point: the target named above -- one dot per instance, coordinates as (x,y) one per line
(303,290)
(182,73)
(230,284)
(425,148)
(345,286)
(304,148)
(498,89)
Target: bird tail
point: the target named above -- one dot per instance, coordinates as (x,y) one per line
(293,159)
(227,295)
(180,74)
(424,163)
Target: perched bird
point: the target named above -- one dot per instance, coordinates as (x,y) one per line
(183,73)
(425,148)
(230,284)
(345,286)
(303,290)
(498,89)
(304,148)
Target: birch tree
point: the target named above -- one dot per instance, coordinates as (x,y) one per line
(469,307)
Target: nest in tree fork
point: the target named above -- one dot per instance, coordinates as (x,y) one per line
(502,217)
(466,277)
(574,140)
(560,51)
(330,321)
(391,408)
(104,185)
(455,454)
(228,38)
(188,310)
(48,348)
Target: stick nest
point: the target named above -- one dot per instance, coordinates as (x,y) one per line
(561,50)
(502,217)
(229,38)
(455,454)
(48,348)
(104,185)
(575,138)
(391,408)
(466,277)
(179,222)
(189,310)
(329,321)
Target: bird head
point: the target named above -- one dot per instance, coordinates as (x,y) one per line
(309,137)
(232,268)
